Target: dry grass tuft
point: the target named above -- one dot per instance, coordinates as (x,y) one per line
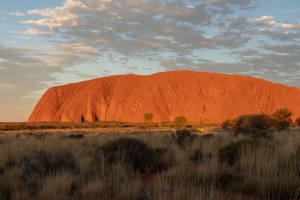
(54,166)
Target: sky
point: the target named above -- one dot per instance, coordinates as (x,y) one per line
(44,43)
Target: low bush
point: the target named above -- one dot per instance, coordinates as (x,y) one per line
(230,153)
(283,118)
(182,137)
(227,124)
(226,180)
(134,152)
(197,155)
(207,136)
(44,163)
(76,136)
(297,121)
(263,134)
(249,124)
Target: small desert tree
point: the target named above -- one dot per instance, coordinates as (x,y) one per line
(283,118)
(148,117)
(180,121)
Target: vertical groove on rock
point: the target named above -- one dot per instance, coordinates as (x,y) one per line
(196,95)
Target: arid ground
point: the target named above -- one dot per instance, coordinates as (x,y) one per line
(111,160)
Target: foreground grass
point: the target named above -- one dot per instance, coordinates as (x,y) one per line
(263,171)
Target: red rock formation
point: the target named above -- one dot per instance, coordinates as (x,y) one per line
(196,95)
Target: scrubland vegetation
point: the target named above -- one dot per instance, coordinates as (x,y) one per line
(250,158)
(17,126)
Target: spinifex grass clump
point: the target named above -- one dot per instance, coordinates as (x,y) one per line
(133,152)
(291,163)
(93,168)
(42,164)
(230,153)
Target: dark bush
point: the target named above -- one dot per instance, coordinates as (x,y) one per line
(134,152)
(263,134)
(249,124)
(44,163)
(76,136)
(197,155)
(283,118)
(182,137)
(40,136)
(207,136)
(2,170)
(283,124)
(297,121)
(6,193)
(159,164)
(227,124)
(230,153)
(225,180)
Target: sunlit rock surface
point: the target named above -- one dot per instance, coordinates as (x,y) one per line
(195,95)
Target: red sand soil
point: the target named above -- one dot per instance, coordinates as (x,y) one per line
(195,95)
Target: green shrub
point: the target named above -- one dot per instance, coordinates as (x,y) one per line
(182,137)
(134,152)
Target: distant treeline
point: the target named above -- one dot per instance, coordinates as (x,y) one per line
(19,126)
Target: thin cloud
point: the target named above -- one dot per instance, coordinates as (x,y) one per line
(292,11)
(79,48)
(59,16)
(289,26)
(18,14)
(23,37)
(264,18)
(33,31)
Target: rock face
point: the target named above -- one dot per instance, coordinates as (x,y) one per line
(195,95)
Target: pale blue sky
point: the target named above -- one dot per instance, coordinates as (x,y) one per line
(52,42)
